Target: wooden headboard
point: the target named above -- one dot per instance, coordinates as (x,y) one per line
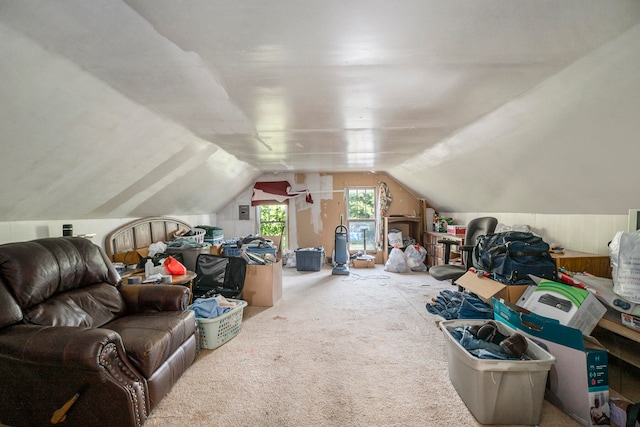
(141,233)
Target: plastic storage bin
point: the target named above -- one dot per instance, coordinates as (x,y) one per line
(189,255)
(309,259)
(498,391)
(231,249)
(217,331)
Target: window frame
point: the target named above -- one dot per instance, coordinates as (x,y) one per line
(370,235)
(285,223)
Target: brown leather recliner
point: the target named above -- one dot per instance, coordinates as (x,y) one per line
(69,328)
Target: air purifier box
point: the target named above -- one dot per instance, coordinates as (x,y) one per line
(580,375)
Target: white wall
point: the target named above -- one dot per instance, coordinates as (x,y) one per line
(228,217)
(17,231)
(585,233)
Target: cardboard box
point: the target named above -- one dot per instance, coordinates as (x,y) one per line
(131,257)
(486,289)
(364,262)
(216,249)
(571,306)
(456,229)
(630,321)
(580,374)
(263,284)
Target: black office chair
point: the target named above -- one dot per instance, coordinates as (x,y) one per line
(217,274)
(476,227)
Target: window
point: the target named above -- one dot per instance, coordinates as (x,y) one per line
(361,218)
(273,221)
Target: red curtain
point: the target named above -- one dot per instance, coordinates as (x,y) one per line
(275,192)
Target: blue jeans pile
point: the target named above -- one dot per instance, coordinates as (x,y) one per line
(480,348)
(451,304)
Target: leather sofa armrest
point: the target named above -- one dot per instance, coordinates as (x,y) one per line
(45,364)
(149,298)
(64,346)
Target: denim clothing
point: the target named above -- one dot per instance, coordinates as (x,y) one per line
(474,308)
(479,348)
(459,305)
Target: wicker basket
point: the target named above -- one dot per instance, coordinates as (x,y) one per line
(217,331)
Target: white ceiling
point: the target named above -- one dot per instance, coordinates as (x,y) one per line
(135,108)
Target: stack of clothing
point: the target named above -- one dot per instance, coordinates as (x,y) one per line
(459,305)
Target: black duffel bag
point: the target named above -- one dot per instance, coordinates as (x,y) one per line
(511,256)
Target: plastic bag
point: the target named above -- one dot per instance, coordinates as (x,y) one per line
(157,248)
(624,250)
(397,262)
(415,255)
(289,259)
(174,267)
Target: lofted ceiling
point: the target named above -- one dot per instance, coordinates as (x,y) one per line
(133,108)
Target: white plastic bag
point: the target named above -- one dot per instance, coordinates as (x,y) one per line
(157,248)
(624,250)
(397,262)
(289,259)
(415,255)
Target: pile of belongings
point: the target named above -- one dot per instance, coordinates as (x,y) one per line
(209,308)
(485,341)
(451,304)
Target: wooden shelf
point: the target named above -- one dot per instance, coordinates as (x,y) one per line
(598,265)
(435,250)
(409,225)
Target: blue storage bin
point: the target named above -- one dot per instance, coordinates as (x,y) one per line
(309,259)
(231,249)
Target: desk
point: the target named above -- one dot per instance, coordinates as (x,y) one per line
(598,265)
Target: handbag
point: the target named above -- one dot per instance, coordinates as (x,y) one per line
(174,267)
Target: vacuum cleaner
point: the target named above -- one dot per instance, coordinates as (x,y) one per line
(341,251)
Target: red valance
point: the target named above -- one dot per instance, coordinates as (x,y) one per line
(268,192)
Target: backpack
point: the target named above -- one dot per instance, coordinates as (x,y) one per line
(509,257)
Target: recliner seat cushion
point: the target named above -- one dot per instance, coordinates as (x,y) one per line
(91,306)
(150,338)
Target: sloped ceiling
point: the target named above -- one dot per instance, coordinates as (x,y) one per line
(133,108)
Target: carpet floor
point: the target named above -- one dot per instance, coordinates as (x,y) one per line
(357,350)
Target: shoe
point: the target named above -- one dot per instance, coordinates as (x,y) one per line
(515,345)
(489,332)
(473,329)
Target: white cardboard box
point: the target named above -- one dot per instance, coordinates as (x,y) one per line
(571,306)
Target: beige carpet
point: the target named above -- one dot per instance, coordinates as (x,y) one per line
(357,350)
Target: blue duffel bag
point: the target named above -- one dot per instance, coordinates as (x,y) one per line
(511,256)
